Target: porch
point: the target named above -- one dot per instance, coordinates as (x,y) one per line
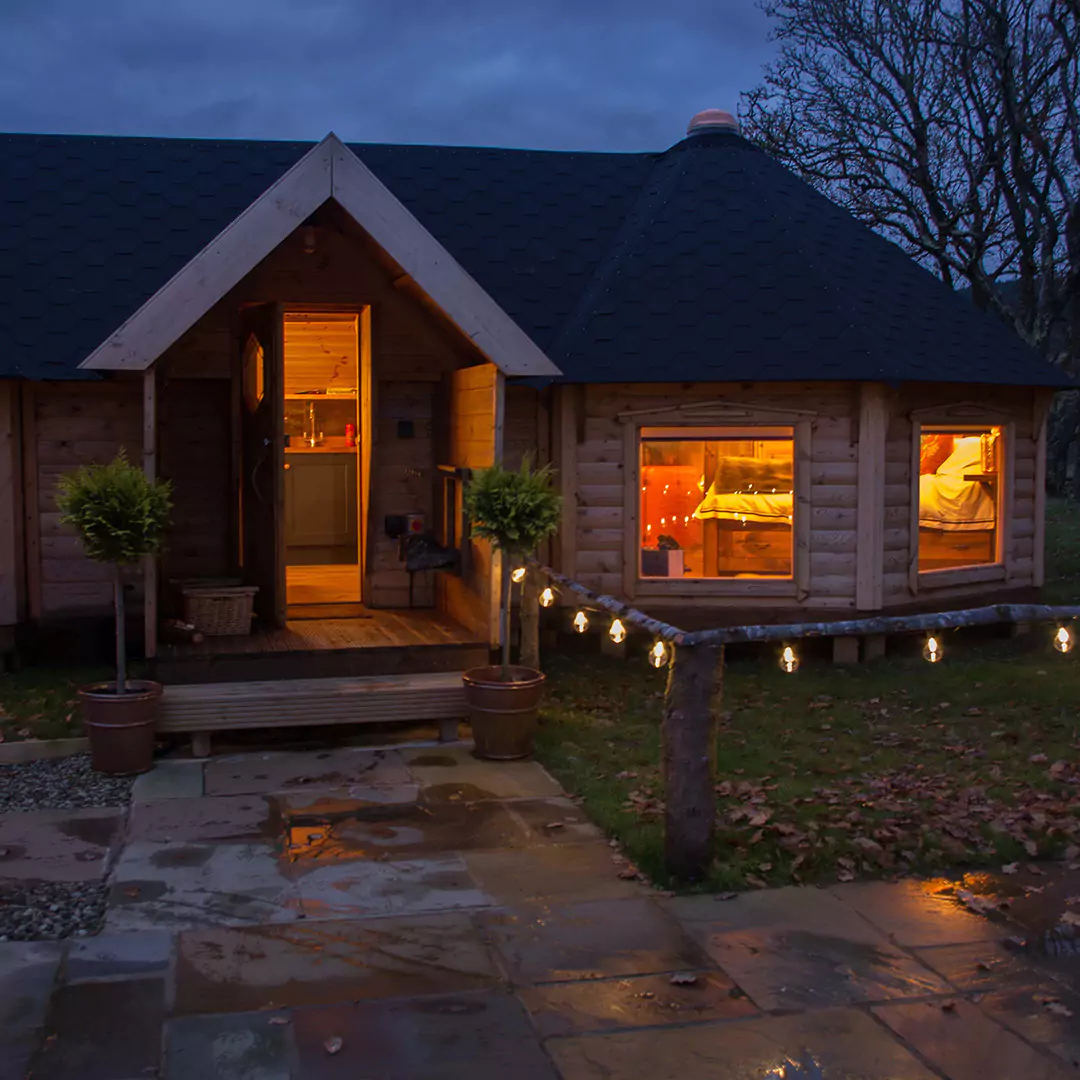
(380,642)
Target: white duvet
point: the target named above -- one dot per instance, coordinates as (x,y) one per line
(744,507)
(950,503)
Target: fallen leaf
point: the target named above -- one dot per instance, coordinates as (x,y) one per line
(131,890)
(278,1021)
(1031,848)
(948,1006)
(1010,868)
(1069,918)
(725,896)
(1058,1008)
(980,904)
(845,875)
(683,978)
(1038,759)
(334,1044)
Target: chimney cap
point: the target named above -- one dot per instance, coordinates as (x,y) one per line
(712,120)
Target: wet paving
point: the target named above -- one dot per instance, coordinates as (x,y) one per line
(412,914)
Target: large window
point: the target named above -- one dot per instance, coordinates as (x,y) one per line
(960,490)
(716,502)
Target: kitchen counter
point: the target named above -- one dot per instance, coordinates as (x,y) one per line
(328,446)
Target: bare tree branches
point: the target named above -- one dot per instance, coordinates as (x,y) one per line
(953,127)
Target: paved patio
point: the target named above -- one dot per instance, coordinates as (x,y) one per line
(413,914)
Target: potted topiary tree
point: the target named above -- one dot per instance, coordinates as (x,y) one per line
(120,515)
(516,512)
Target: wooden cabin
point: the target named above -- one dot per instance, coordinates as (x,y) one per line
(757,407)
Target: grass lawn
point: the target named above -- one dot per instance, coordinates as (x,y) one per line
(838,773)
(40,703)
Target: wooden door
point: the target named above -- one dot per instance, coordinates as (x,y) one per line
(263,458)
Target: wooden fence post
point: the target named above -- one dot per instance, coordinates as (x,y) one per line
(691,705)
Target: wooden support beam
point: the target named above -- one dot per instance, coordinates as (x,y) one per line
(150,562)
(12,566)
(691,705)
(31,510)
(870,552)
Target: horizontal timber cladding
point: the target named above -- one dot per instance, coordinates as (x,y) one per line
(412,350)
(1017,411)
(73,424)
(827,489)
(593,440)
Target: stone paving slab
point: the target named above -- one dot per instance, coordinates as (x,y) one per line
(846,1043)
(590,940)
(572,1008)
(1047,1015)
(358,889)
(980,965)
(236,1047)
(103,1031)
(554,821)
(452,774)
(58,845)
(169,780)
(108,956)
(223,819)
(177,886)
(303,771)
(28,972)
(917,913)
(408,831)
(802,969)
(965,1044)
(479,1036)
(315,963)
(570,871)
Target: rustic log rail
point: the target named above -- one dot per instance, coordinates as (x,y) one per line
(695,683)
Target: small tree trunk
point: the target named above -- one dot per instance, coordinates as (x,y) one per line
(121,631)
(689,736)
(530,621)
(507,587)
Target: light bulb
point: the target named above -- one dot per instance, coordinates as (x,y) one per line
(517,575)
(581,622)
(789,662)
(547,597)
(1063,639)
(932,650)
(617,633)
(658,655)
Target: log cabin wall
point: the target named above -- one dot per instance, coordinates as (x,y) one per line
(64,425)
(1022,411)
(412,351)
(12,560)
(591,455)
(591,452)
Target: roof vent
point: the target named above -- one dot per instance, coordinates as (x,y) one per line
(709,121)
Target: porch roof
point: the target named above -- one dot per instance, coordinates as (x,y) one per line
(708,262)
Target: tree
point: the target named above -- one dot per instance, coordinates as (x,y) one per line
(120,515)
(951,126)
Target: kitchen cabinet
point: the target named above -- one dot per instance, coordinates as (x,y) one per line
(320,501)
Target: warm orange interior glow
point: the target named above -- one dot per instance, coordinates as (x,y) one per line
(717,506)
(959,496)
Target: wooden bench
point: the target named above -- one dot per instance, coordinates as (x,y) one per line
(202,708)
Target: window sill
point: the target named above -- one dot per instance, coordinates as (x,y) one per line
(712,587)
(960,575)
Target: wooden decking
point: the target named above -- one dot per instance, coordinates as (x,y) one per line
(381,643)
(205,708)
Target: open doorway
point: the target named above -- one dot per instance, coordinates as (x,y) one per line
(323,475)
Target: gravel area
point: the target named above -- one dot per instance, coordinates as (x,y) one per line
(45,911)
(60,783)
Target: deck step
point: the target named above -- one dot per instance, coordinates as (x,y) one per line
(310,702)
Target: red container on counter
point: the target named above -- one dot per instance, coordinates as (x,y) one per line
(350,434)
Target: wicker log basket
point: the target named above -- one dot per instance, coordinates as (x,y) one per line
(217,608)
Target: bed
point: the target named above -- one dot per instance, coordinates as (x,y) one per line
(958,505)
(747,511)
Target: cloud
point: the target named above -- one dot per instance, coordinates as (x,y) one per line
(560,74)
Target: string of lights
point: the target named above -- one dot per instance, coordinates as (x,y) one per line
(666,636)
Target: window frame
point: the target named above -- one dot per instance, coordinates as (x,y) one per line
(977,573)
(794,587)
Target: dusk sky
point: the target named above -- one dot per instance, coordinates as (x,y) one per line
(558,75)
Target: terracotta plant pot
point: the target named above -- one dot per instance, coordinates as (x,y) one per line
(503,714)
(121,726)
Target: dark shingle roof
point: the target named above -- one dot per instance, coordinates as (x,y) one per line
(707,262)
